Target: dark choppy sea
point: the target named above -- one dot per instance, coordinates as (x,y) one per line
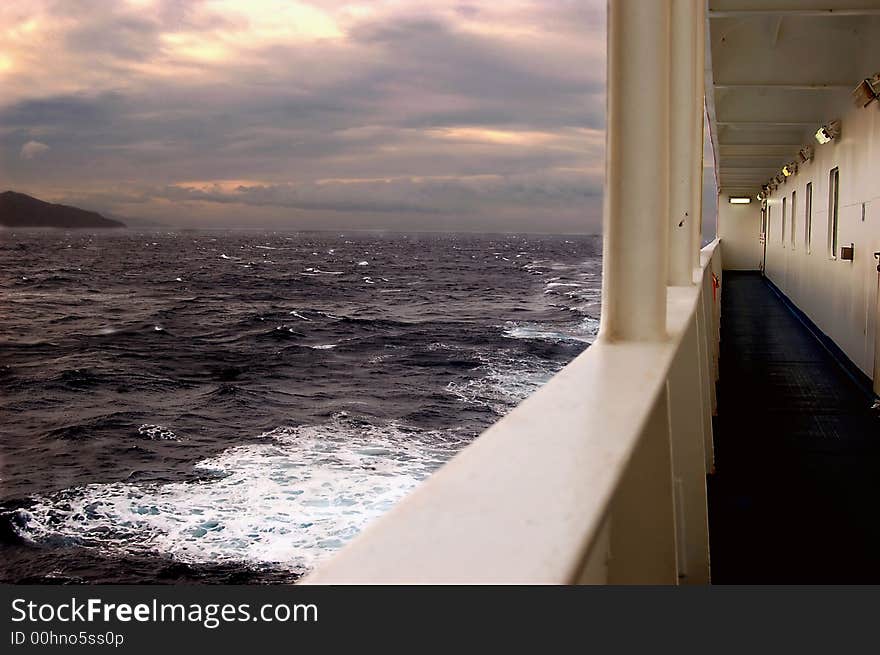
(233,406)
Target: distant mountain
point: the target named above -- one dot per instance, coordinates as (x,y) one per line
(20,210)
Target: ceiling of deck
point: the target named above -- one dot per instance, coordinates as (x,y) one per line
(776,71)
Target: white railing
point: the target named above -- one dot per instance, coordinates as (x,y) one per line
(598,477)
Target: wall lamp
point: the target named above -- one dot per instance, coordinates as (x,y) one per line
(806,154)
(739,200)
(827,132)
(867,91)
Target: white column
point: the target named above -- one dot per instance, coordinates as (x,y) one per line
(700,64)
(683,113)
(636,171)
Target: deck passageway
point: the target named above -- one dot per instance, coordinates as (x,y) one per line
(796,493)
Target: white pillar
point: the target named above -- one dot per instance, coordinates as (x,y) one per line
(683,89)
(636,172)
(700,64)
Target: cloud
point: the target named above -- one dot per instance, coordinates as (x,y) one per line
(415,195)
(33,149)
(485,109)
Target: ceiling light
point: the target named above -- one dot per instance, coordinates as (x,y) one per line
(806,154)
(867,91)
(740,200)
(786,171)
(827,132)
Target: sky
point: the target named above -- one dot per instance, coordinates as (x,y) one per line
(322,114)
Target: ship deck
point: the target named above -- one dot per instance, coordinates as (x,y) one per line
(796,490)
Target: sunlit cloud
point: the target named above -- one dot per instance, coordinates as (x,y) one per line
(33,149)
(279,20)
(501,137)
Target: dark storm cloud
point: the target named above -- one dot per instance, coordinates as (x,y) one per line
(460,110)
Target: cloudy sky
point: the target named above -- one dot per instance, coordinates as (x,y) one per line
(321,113)
(437,114)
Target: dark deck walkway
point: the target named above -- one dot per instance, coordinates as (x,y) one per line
(796,493)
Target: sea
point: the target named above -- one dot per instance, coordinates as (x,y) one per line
(235,406)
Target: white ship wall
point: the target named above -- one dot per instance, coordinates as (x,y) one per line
(739,226)
(839,296)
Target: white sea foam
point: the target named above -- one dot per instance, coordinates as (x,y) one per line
(299,316)
(317,271)
(157,432)
(585,331)
(506,380)
(285,502)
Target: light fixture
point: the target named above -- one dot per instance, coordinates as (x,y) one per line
(760,196)
(867,91)
(806,154)
(780,179)
(827,132)
(789,169)
(740,200)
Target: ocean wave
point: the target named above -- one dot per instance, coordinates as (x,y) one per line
(285,502)
(507,378)
(585,331)
(157,433)
(78,378)
(318,271)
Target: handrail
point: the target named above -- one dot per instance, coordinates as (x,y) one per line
(597,477)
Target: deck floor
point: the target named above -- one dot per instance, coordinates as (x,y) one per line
(795,497)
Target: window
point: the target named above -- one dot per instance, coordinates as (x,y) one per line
(833,204)
(808,217)
(793,217)
(782,234)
